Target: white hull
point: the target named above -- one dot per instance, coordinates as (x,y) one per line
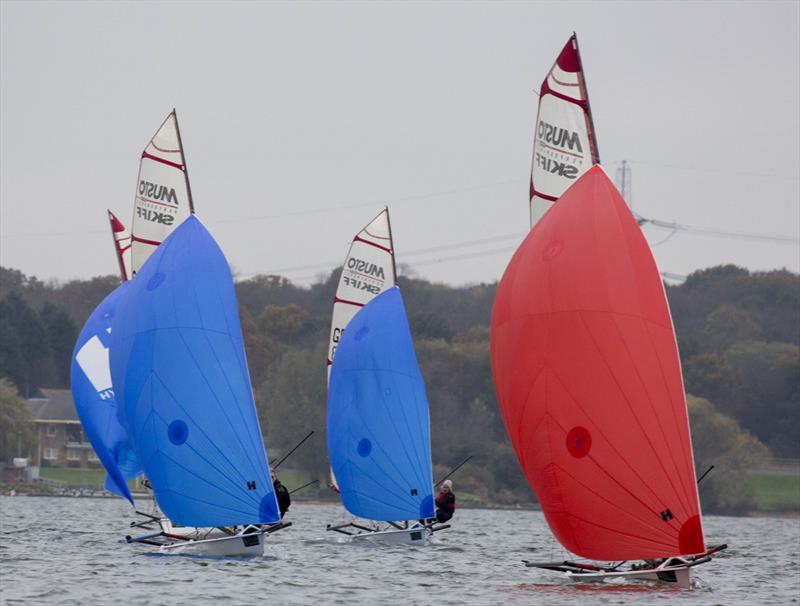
(236,546)
(406,536)
(682,576)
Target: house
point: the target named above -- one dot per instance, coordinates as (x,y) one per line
(60,441)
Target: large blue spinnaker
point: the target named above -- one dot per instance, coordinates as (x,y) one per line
(94,398)
(379,441)
(180,373)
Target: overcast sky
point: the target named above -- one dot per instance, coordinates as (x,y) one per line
(300,121)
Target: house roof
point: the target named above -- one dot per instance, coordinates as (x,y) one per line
(55,405)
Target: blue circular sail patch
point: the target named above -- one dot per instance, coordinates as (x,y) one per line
(178,431)
(362,332)
(364,447)
(156,281)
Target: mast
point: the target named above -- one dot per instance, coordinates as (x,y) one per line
(183,161)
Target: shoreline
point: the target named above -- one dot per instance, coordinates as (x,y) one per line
(789,514)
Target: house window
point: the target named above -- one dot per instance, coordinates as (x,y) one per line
(51,431)
(50,454)
(73,454)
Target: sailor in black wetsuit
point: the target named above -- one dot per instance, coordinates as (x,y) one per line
(445,502)
(281,493)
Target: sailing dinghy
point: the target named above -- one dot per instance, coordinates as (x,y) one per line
(589,384)
(379,428)
(180,376)
(564,144)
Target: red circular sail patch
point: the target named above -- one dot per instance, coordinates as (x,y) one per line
(579,442)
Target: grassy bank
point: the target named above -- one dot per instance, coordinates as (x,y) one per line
(775,492)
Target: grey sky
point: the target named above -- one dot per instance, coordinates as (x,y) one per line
(301,120)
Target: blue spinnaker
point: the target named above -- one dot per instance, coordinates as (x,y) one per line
(93,394)
(180,373)
(379,442)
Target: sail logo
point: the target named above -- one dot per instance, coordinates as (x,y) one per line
(365,267)
(154,216)
(562,169)
(559,137)
(154,191)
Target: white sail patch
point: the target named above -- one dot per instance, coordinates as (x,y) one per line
(93,361)
(565,83)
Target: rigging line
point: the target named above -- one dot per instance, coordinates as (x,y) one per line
(310,211)
(380,202)
(722,171)
(419,251)
(719,232)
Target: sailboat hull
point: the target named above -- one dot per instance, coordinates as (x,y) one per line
(679,577)
(238,546)
(406,536)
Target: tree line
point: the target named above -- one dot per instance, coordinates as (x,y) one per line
(738,334)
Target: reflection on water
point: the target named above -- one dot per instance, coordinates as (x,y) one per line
(72,551)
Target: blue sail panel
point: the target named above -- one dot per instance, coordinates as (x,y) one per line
(93,394)
(379,441)
(178,364)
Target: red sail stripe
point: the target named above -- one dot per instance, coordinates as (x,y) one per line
(162,160)
(360,239)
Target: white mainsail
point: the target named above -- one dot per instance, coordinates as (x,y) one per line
(163,196)
(368,270)
(564,145)
(122,245)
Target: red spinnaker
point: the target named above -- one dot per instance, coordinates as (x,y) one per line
(588,379)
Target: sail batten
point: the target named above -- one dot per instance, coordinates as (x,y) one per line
(588,381)
(565,144)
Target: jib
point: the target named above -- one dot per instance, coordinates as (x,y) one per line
(153,191)
(567,171)
(560,137)
(155,217)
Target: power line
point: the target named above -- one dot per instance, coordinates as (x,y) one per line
(719,233)
(721,171)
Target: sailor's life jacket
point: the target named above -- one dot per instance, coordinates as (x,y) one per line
(445,506)
(282,494)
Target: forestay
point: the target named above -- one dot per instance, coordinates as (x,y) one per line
(588,380)
(122,245)
(564,144)
(378,419)
(180,373)
(94,397)
(163,198)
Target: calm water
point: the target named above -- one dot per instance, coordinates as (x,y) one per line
(67,551)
